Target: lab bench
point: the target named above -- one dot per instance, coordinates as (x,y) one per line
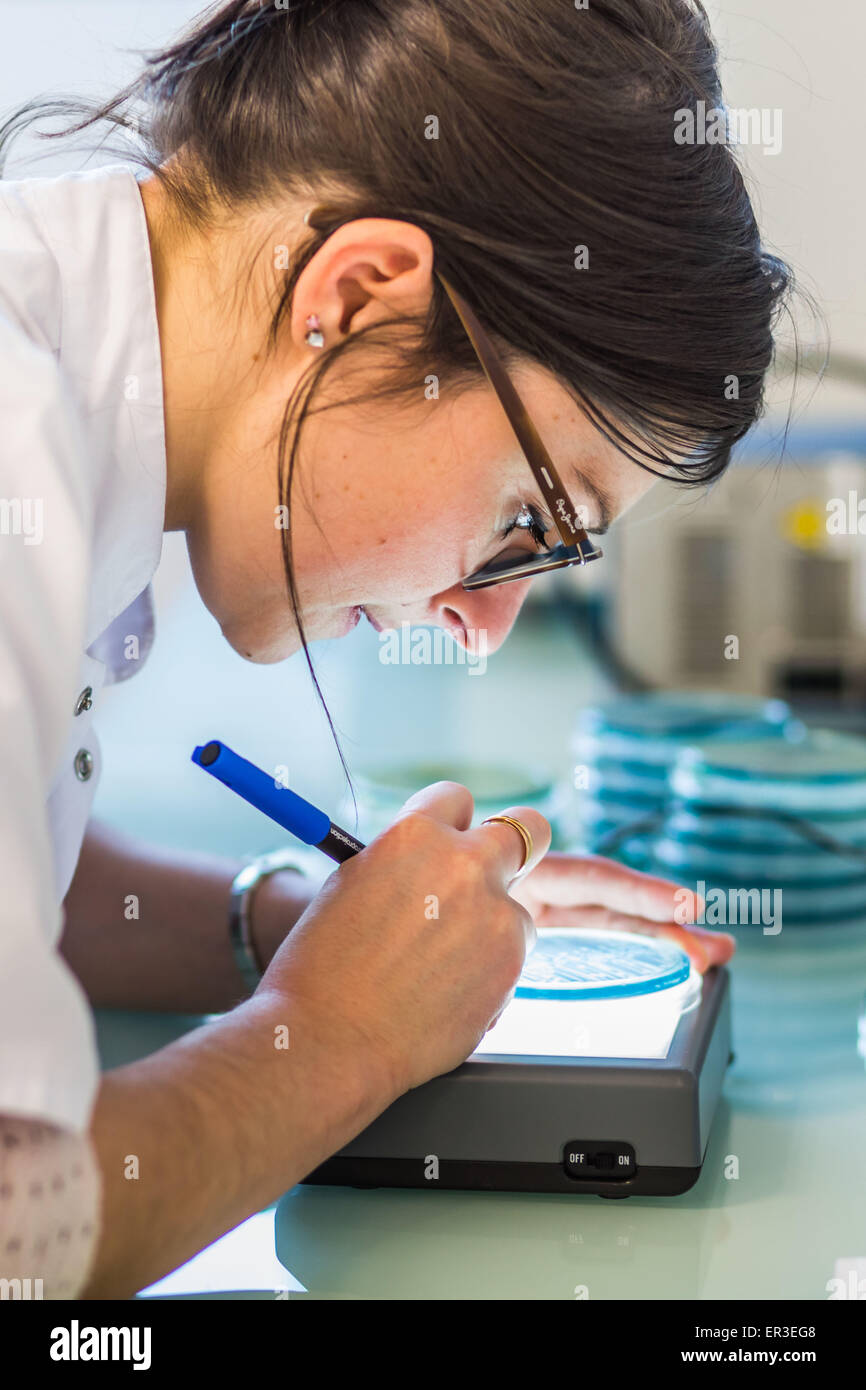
(778,1212)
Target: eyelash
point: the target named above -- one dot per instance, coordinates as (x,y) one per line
(535,528)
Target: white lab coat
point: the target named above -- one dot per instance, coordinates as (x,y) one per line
(82,506)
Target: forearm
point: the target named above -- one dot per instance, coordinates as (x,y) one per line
(147,927)
(196,1138)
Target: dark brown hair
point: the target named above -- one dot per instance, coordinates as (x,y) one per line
(555,131)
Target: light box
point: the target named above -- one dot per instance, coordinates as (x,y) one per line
(601,1076)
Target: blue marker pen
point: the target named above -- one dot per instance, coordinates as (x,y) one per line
(285,807)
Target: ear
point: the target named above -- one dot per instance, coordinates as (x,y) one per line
(366,272)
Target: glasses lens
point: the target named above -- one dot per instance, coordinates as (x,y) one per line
(512,564)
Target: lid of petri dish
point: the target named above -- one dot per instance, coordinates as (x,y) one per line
(692,823)
(823,771)
(823,755)
(758,866)
(583,965)
(647,730)
(487,781)
(683,714)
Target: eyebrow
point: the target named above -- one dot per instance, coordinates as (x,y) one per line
(599,497)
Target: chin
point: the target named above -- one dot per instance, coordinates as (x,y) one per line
(260,650)
(267,648)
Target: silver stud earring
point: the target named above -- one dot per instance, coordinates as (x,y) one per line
(315,337)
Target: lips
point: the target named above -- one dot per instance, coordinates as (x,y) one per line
(349,621)
(377,627)
(354,616)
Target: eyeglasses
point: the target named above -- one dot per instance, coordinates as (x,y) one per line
(575,547)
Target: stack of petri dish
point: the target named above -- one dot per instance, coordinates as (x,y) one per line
(624,749)
(772,834)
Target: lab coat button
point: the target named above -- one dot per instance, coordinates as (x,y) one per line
(85,700)
(83,764)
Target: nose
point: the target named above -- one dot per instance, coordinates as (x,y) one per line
(467,613)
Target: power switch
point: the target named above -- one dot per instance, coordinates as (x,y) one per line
(599,1158)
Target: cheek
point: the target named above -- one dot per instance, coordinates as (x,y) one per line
(381,558)
(415,562)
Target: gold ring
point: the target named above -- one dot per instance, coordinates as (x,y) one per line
(522,831)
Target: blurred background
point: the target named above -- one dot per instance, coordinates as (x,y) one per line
(752,559)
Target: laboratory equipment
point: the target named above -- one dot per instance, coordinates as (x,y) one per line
(601,1077)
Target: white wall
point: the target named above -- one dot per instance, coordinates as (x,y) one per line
(807,59)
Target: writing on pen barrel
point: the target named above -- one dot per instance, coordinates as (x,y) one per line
(303,820)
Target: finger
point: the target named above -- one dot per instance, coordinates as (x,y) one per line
(448,802)
(504,846)
(719,945)
(704,949)
(575,880)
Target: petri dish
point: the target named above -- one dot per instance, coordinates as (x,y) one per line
(647,728)
(757,864)
(690,822)
(383,790)
(609,776)
(822,771)
(768,907)
(600,965)
(596,994)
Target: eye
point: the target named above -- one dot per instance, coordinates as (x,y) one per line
(528,519)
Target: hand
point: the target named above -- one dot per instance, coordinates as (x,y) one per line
(412,948)
(587,890)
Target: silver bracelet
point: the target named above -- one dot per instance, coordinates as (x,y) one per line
(243,887)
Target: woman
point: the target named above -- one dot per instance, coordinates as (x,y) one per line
(257,344)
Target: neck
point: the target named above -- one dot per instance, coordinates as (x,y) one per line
(181,445)
(211,338)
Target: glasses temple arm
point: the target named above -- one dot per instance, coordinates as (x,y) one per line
(564,515)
